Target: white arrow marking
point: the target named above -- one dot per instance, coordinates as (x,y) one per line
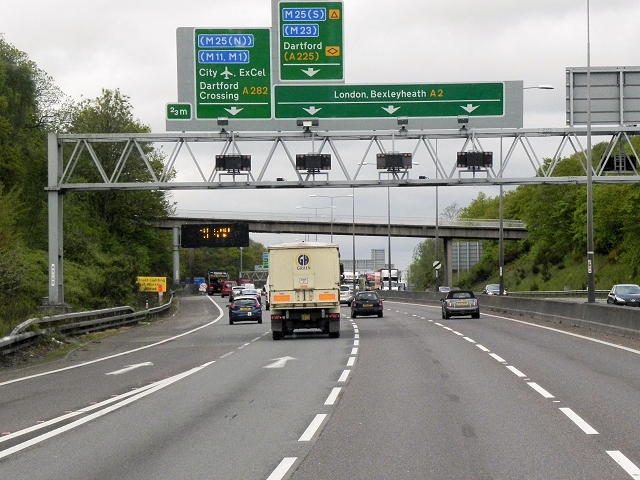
(391,109)
(310,71)
(469,108)
(279,362)
(233,110)
(312,110)
(128,368)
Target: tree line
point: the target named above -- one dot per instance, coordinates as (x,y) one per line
(109,237)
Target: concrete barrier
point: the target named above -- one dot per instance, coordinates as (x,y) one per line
(624,321)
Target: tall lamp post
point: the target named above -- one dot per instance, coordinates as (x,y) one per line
(591,283)
(316,209)
(331,197)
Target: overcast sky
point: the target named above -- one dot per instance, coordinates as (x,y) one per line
(131,45)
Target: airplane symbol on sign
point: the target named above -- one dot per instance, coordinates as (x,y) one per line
(227,73)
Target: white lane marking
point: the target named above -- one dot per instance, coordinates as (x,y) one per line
(333,396)
(625,463)
(313,427)
(448,328)
(540,390)
(245,345)
(356,342)
(575,418)
(279,362)
(226,355)
(497,357)
(357,335)
(438,324)
(458,333)
(81,421)
(128,368)
(470,340)
(282,469)
(516,371)
(351,362)
(482,347)
(354,351)
(344,376)
(118,354)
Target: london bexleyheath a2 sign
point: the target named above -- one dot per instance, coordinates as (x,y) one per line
(385,101)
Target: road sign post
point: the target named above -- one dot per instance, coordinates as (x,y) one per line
(310,41)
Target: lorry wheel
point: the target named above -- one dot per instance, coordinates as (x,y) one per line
(334,334)
(277,335)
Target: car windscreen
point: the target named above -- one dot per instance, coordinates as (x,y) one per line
(367,296)
(629,289)
(244,302)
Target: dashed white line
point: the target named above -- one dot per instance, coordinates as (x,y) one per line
(356,342)
(333,396)
(540,390)
(625,463)
(516,371)
(470,340)
(482,347)
(282,468)
(497,357)
(575,418)
(344,376)
(313,427)
(351,362)
(354,350)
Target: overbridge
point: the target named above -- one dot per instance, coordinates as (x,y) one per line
(448,230)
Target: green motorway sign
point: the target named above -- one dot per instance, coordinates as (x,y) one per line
(232,73)
(178,111)
(310,41)
(390,101)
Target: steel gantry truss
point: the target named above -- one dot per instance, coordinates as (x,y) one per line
(132,162)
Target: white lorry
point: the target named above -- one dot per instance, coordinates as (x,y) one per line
(304,288)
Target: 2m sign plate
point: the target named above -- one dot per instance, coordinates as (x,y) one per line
(390,101)
(232,73)
(310,41)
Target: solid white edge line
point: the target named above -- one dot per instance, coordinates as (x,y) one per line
(625,463)
(282,468)
(71,367)
(575,418)
(333,396)
(313,427)
(540,390)
(81,421)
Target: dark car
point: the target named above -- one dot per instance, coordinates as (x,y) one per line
(366,303)
(625,294)
(245,309)
(460,302)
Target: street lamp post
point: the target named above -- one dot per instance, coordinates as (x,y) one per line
(591,284)
(331,197)
(316,210)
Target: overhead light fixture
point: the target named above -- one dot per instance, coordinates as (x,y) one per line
(307,122)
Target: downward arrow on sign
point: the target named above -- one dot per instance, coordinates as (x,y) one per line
(233,110)
(279,362)
(312,110)
(390,109)
(469,108)
(310,71)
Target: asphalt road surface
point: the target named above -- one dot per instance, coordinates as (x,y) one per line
(407,396)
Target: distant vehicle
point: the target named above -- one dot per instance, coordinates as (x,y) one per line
(367,302)
(252,292)
(237,290)
(625,294)
(226,287)
(346,294)
(444,289)
(245,309)
(494,289)
(215,279)
(459,303)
